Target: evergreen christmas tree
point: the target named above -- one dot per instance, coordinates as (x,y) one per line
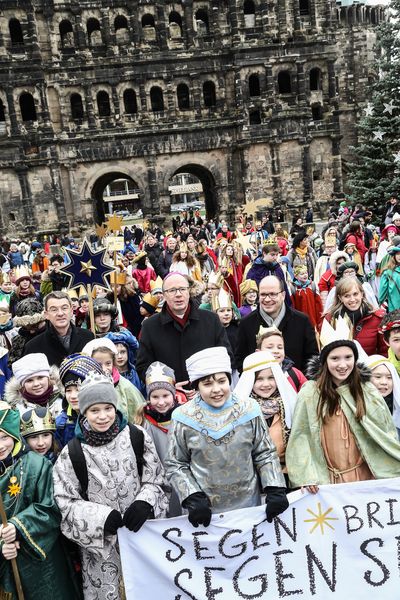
(375,173)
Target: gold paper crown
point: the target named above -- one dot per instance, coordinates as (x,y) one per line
(139,255)
(249,285)
(36,424)
(330,240)
(22,272)
(221,300)
(273,330)
(342,331)
(216,278)
(149,299)
(183,247)
(5,277)
(156,286)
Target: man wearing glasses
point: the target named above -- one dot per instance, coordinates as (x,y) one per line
(178,331)
(298,334)
(60,338)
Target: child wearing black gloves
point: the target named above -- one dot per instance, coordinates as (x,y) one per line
(123,485)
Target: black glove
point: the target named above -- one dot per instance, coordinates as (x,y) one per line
(276,502)
(137,514)
(113,522)
(198,505)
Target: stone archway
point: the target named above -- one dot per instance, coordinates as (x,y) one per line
(209,187)
(97,192)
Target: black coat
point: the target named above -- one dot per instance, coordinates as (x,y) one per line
(163,339)
(49,343)
(298,335)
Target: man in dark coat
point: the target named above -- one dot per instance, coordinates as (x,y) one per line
(298,334)
(178,331)
(61,338)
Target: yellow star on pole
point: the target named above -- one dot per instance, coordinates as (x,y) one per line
(320,519)
(87,267)
(101,230)
(114,223)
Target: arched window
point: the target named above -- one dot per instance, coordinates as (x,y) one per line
(66,34)
(249,11)
(209,96)
(316,111)
(315,79)
(94,32)
(254,85)
(255,117)
(156,99)
(130,102)
(16,35)
(175,25)
(27,106)
(2,112)
(103,104)
(304,7)
(284,83)
(148,21)
(120,22)
(182,94)
(202,22)
(76,106)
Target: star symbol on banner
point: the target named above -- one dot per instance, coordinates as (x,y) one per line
(388,107)
(369,110)
(378,135)
(87,266)
(114,223)
(397,157)
(320,519)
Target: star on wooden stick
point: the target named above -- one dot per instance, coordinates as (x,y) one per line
(114,223)
(101,230)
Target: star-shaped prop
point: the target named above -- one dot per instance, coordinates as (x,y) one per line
(369,110)
(87,267)
(378,135)
(397,157)
(101,230)
(114,223)
(388,107)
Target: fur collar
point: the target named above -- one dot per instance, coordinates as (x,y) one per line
(12,394)
(314,366)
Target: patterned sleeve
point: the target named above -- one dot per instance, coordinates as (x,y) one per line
(177,463)
(153,489)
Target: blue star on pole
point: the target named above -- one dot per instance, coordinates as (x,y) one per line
(87,267)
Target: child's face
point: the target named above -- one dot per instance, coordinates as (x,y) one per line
(7,287)
(251,297)
(122,357)
(75,304)
(144,312)
(302,276)
(382,379)
(71,394)
(24,284)
(394,341)
(37,384)
(103,321)
(84,304)
(40,443)
(271,256)
(100,416)
(106,360)
(397,258)
(276,346)
(161,400)
(265,384)
(6,445)
(225,316)
(215,390)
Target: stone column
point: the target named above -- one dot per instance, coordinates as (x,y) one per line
(44,104)
(331,79)
(307,170)
(27,202)
(296,16)
(58,191)
(89,106)
(336,165)
(154,205)
(142,94)
(197,92)
(188,23)
(269,84)
(11,112)
(80,34)
(105,28)
(276,173)
(161,28)
(301,85)
(33,40)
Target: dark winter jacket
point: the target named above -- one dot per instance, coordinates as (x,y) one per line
(298,335)
(164,263)
(153,254)
(163,339)
(50,344)
(65,426)
(366,332)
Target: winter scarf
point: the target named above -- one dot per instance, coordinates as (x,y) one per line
(301,285)
(7,327)
(269,320)
(39,400)
(302,252)
(355,315)
(99,438)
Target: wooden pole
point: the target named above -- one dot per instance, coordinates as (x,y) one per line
(115,278)
(91,311)
(14,565)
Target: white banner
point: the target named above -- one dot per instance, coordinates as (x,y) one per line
(342,543)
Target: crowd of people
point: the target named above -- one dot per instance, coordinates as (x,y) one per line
(222,367)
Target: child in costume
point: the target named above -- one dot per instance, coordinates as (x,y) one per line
(148,305)
(34,384)
(222,305)
(390,327)
(73,370)
(389,285)
(130,400)
(271,339)
(305,297)
(8,331)
(208,435)
(38,428)
(119,492)
(342,430)
(249,296)
(263,379)
(386,380)
(32,534)
(127,346)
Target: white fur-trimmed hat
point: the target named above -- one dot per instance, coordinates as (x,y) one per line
(31,364)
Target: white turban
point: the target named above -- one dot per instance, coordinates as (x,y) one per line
(208,362)
(258,361)
(375,361)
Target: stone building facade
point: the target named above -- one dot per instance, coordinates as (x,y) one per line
(256,98)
